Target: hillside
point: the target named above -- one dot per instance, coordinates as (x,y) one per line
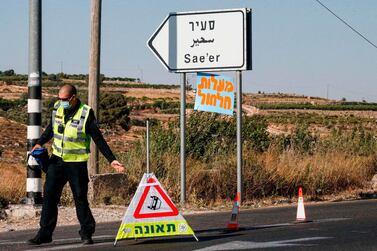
(304,125)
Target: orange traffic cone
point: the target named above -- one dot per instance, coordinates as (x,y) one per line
(300,206)
(233,223)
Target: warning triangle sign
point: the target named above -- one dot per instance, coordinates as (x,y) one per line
(152,213)
(159,204)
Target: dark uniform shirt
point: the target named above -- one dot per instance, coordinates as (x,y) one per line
(91,128)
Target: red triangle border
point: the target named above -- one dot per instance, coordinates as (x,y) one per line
(139,215)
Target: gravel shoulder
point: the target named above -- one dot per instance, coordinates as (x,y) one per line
(67,216)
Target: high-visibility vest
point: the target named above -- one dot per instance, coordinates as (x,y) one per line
(73,144)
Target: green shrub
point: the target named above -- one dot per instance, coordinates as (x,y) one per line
(162,104)
(6,104)
(210,135)
(113,110)
(358,141)
(8,72)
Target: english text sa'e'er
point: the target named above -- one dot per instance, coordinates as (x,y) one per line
(201,58)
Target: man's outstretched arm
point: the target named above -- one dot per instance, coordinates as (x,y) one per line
(94,132)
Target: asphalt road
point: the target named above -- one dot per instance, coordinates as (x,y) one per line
(332,226)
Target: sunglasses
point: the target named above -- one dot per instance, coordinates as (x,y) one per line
(67,99)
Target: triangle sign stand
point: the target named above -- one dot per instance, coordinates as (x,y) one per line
(152,213)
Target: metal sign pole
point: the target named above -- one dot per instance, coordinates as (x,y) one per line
(239,134)
(183,138)
(148,146)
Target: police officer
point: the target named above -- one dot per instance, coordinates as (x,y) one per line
(72,125)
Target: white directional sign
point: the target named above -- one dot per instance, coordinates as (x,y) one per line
(204,41)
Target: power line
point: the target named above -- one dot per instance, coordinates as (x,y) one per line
(349,26)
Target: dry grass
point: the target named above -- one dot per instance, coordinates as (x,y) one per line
(13,181)
(271,174)
(268,174)
(323,173)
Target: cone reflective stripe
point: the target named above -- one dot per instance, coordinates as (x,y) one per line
(233,223)
(300,206)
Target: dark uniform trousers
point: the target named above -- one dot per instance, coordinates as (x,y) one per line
(58,174)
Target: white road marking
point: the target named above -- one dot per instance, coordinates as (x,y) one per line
(330,220)
(359,232)
(239,245)
(273,225)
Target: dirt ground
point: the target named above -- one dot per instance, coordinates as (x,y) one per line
(252,99)
(11,92)
(12,141)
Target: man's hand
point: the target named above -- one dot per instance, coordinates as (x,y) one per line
(117,166)
(35,147)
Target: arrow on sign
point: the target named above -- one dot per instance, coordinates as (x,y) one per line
(159,42)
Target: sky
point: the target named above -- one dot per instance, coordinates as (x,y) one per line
(298,46)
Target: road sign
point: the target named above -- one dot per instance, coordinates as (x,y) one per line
(152,213)
(204,41)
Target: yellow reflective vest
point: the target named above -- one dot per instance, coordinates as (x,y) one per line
(71,143)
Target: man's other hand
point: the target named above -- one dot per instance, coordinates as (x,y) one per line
(117,166)
(35,147)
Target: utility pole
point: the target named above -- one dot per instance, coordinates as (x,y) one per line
(34,104)
(94,75)
(61,66)
(327,91)
(141,73)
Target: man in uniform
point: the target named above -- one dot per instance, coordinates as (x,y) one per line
(72,125)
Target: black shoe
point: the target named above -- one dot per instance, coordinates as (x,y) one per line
(37,240)
(87,240)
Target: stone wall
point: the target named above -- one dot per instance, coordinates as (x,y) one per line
(111,188)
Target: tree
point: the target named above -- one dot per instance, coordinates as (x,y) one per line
(61,75)
(9,72)
(114,110)
(52,77)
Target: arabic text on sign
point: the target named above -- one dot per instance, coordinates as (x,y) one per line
(202,40)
